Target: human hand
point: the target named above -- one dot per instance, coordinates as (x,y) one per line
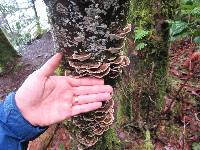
(45,99)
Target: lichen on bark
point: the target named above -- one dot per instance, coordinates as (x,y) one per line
(91,34)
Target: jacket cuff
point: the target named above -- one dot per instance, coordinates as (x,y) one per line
(15,121)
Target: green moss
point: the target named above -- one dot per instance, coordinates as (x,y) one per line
(59,71)
(150,16)
(161,81)
(176,109)
(124,98)
(18,67)
(196,146)
(1,69)
(61,147)
(109,141)
(123,113)
(173,130)
(148,145)
(71,128)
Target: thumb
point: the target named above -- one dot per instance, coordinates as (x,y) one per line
(50,66)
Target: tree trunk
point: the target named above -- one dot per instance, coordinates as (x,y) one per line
(7,53)
(150,63)
(91,35)
(39,29)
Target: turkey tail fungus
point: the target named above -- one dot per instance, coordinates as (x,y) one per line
(91,34)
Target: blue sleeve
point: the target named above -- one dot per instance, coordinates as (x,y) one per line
(15,131)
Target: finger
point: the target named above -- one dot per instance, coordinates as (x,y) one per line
(78,109)
(96,89)
(85,99)
(50,66)
(85,81)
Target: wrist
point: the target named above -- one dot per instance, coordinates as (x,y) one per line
(16,123)
(25,110)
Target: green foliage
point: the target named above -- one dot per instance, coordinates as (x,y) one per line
(177,27)
(196,12)
(59,71)
(14,29)
(141,17)
(61,147)
(7,9)
(187,25)
(196,146)
(148,145)
(140,35)
(23,28)
(141,46)
(197,41)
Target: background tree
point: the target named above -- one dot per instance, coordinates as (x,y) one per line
(142,100)
(8,55)
(20,22)
(37,19)
(151,41)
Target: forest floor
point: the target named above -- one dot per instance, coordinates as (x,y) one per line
(185,74)
(178,125)
(32,58)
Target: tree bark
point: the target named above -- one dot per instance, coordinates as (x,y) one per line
(42,142)
(7,53)
(150,64)
(39,29)
(91,34)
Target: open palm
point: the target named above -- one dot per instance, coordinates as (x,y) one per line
(45,99)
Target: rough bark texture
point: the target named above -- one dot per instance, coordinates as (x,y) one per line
(149,65)
(91,35)
(7,52)
(43,141)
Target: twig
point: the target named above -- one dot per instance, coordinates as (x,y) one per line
(152,100)
(184,84)
(184,131)
(196,116)
(178,92)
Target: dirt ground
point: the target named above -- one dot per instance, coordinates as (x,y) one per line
(33,56)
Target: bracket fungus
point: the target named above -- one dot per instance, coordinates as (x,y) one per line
(81,56)
(91,35)
(92,125)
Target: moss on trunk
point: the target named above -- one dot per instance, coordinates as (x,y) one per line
(7,52)
(149,60)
